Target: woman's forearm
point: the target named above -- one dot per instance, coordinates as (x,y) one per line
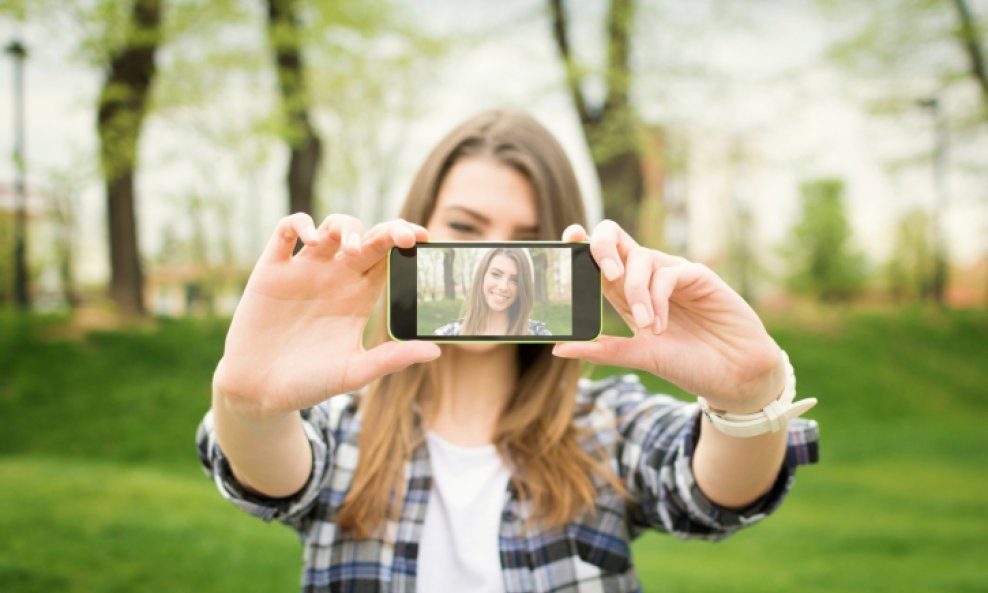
(268,452)
(734,472)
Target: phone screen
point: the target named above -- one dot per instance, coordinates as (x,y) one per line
(512,291)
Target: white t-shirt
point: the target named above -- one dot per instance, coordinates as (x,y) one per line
(459,546)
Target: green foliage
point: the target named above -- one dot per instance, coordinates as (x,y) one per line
(367,69)
(912,266)
(821,259)
(106,493)
(6,256)
(906,50)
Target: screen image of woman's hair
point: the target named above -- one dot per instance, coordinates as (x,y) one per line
(494,291)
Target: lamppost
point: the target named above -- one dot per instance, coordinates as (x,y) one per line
(940,147)
(18,53)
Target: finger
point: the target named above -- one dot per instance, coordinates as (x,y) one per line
(637,278)
(666,281)
(384,236)
(281,245)
(610,246)
(348,231)
(385,359)
(609,350)
(330,233)
(575,233)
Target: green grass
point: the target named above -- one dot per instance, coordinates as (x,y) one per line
(100,488)
(435,314)
(73,525)
(558,317)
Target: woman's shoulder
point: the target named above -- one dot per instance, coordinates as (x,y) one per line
(621,394)
(609,388)
(538,328)
(452,328)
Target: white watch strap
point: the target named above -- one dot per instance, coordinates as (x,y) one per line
(771,418)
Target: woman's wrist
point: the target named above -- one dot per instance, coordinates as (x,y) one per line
(773,417)
(760,391)
(774,382)
(243,408)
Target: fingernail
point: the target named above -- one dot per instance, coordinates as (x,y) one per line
(353,241)
(641,315)
(610,268)
(657,328)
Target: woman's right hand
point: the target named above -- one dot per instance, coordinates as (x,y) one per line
(296,336)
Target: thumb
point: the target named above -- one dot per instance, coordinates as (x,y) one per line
(609,350)
(388,358)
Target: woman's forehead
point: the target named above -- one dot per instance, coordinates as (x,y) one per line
(504,262)
(490,193)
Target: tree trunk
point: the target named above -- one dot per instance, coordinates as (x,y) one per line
(449,282)
(970,38)
(540,264)
(304,146)
(623,190)
(122,107)
(612,130)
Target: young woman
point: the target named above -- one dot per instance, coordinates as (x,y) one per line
(493,467)
(500,300)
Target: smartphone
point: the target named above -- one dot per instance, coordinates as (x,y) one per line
(514,291)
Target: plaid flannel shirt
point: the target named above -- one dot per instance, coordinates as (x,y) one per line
(649,438)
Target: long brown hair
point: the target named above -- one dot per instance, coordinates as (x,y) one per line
(535,432)
(476,312)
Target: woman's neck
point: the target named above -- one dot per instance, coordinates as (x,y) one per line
(476,386)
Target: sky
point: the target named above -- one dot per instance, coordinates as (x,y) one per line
(753,81)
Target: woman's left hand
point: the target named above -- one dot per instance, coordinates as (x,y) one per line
(690,327)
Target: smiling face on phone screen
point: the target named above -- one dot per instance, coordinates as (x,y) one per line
(501,283)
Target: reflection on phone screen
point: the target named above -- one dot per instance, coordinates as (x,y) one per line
(494,291)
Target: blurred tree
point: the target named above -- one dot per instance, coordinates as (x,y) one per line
(917,47)
(122,109)
(540,265)
(435,262)
(742,263)
(365,65)
(911,269)
(6,257)
(612,128)
(304,145)
(372,70)
(449,282)
(22,290)
(64,188)
(969,34)
(924,54)
(821,259)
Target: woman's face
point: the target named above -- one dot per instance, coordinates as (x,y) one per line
(501,283)
(483,200)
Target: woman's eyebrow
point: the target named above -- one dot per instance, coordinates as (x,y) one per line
(485,220)
(472,213)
